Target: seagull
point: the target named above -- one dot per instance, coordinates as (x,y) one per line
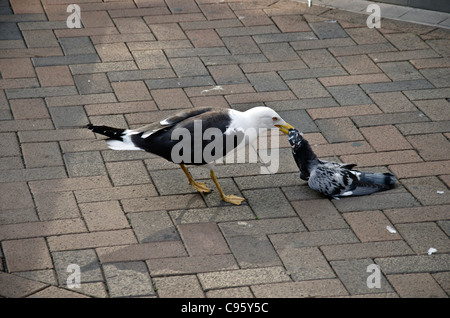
(196,137)
(334,179)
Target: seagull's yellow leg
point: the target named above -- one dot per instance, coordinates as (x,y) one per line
(199,186)
(233,199)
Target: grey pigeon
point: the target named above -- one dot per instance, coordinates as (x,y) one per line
(334,179)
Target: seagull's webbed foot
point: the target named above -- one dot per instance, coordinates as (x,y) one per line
(200,186)
(233,199)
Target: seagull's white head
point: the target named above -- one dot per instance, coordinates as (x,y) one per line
(265,117)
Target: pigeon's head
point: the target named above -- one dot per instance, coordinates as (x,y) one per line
(295,138)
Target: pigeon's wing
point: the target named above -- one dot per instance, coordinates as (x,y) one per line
(332,181)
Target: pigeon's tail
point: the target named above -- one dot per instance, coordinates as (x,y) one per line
(113,133)
(384,181)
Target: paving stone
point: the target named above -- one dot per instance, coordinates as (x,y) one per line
(203,239)
(262,201)
(253,251)
(392,102)
(128,279)
(41,228)
(188,66)
(26,254)
(169,287)
(14,286)
(153,226)
(338,130)
(306,264)
(10,31)
(143,251)
(291,23)
(402,55)
(241,45)
(183,82)
(416,286)
(56,205)
(230,74)
(54,76)
(420,169)
(361,49)
(191,264)
(278,52)
(328,30)
(127,173)
(319,58)
(307,88)
(283,37)
(431,146)
(420,94)
(131,91)
(204,38)
(90,270)
(264,66)
(238,292)
(172,98)
(66,60)
(171,202)
(414,264)
(371,226)
(380,201)
(300,119)
(9,145)
(349,95)
(365,35)
(385,138)
(84,164)
(41,154)
(70,116)
(90,240)
(264,82)
(314,238)
(92,83)
(243,277)
(366,249)
(417,214)
(400,71)
(312,288)
(354,275)
(103,216)
(428,190)
(313,212)
(422,236)
(261,227)
(77,45)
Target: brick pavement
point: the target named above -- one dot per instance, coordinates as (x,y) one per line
(375,97)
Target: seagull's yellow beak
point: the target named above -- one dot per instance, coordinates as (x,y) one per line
(285,128)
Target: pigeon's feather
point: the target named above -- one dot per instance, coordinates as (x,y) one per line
(335,179)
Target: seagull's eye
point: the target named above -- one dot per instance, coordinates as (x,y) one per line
(274,118)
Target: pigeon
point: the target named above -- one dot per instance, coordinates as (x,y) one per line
(332,179)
